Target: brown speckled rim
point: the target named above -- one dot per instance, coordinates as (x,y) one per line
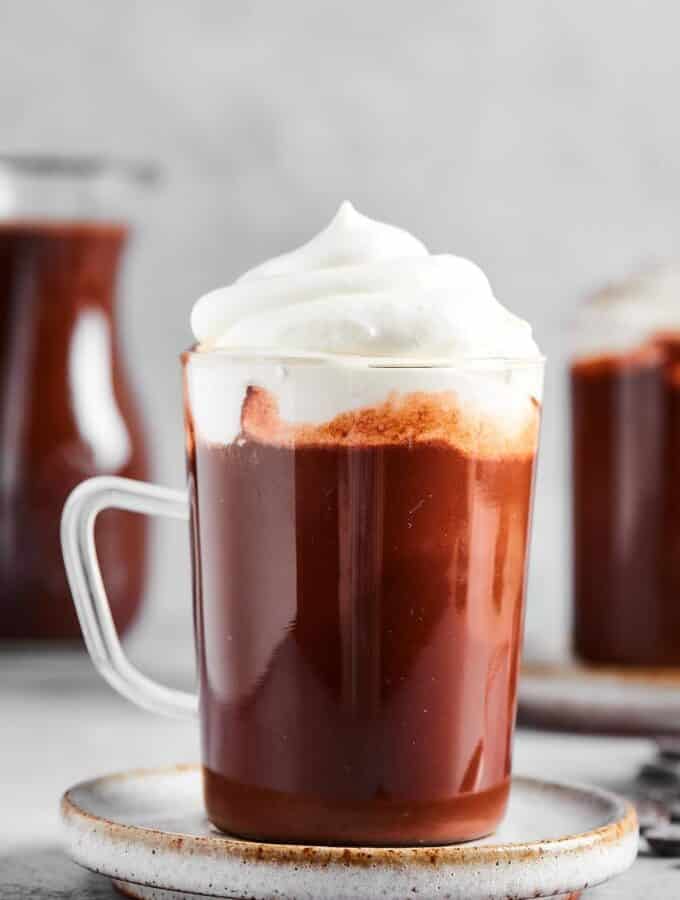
(623,824)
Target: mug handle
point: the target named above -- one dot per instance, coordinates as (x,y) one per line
(83,505)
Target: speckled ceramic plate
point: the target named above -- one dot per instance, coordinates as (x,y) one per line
(147,830)
(600,700)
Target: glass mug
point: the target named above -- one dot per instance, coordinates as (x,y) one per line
(358,591)
(625,426)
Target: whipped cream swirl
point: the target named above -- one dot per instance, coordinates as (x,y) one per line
(365,289)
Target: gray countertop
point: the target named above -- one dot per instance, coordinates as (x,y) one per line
(62,724)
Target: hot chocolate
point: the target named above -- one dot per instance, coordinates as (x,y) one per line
(67,412)
(360,609)
(626,441)
(360,470)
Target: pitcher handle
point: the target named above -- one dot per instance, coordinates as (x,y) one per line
(85,579)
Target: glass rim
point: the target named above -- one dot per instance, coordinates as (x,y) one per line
(75,165)
(336,360)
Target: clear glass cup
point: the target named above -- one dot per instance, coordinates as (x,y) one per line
(359,538)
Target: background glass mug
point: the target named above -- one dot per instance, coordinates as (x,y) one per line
(359,589)
(625,423)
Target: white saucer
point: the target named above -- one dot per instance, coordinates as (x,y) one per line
(600,699)
(147,831)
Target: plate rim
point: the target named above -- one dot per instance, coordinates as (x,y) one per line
(623,823)
(646,701)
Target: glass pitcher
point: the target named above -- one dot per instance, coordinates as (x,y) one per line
(67,410)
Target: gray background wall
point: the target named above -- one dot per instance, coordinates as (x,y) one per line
(540,139)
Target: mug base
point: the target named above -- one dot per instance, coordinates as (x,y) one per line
(261,814)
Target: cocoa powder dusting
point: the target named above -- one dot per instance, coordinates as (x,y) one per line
(415,418)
